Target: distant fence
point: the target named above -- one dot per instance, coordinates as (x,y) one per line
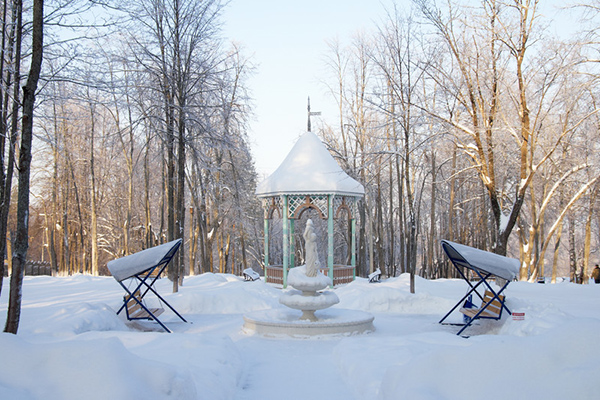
(38,268)
(341,274)
(33,268)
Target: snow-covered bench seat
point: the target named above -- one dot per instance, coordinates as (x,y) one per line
(135,310)
(375,276)
(250,274)
(492,307)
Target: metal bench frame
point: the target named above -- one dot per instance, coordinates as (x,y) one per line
(250,275)
(144,282)
(484,274)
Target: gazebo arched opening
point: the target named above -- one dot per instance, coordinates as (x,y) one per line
(307,207)
(343,232)
(298,252)
(310,181)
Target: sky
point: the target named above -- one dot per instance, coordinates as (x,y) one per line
(287,41)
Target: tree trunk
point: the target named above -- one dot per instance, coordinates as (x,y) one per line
(432,234)
(193,243)
(6,178)
(66,248)
(379,231)
(22,238)
(54,221)
(93,205)
(180,205)
(148,218)
(556,248)
(391,228)
(243,245)
(171,184)
(401,241)
(587,241)
(572,251)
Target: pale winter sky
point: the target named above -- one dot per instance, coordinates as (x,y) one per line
(287,40)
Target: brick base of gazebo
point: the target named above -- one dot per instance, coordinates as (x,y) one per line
(341,274)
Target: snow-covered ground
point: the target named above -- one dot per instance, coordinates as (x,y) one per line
(72,345)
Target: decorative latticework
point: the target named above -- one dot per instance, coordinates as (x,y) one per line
(344,206)
(321,202)
(296,203)
(337,202)
(270,205)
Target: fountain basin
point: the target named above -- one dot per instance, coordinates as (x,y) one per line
(297,279)
(287,323)
(308,302)
(299,300)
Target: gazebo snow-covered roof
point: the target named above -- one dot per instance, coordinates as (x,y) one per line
(309,168)
(309,178)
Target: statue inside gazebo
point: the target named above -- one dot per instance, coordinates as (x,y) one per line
(309,178)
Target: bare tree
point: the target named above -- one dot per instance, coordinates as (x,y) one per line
(504,35)
(22,238)
(396,61)
(11,52)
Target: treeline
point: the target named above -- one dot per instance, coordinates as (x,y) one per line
(473,122)
(467,121)
(141,138)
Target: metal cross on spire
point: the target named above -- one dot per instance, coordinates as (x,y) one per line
(311,113)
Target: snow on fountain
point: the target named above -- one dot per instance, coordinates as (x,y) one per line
(308,297)
(307,280)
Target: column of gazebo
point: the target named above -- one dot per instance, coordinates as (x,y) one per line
(330,236)
(266,225)
(286,234)
(289,243)
(353,251)
(292,242)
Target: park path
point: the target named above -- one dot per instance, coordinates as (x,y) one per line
(291,369)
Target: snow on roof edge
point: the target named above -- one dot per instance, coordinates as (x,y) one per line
(309,168)
(309,193)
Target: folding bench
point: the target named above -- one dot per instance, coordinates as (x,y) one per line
(135,311)
(141,270)
(493,307)
(375,276)
(250,275)
(486,266)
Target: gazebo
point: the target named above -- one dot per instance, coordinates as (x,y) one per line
(309,178)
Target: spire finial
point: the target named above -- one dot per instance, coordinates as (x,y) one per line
(311,113)
(308,108)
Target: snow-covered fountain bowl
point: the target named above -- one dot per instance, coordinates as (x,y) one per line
(308,314)
(286,322)
(306,296)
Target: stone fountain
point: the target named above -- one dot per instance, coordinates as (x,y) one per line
(308,297)
(307,280)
